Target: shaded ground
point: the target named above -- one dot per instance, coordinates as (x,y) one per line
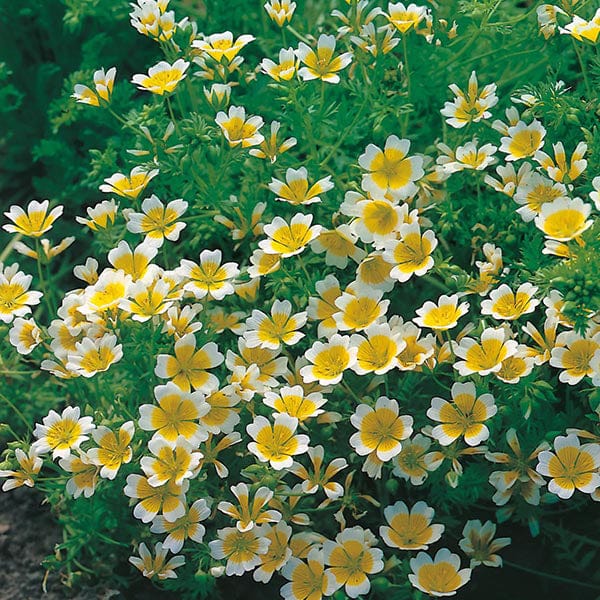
(28,534)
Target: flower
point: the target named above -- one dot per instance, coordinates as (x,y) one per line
(580,29)
(359,307)
(280,11)
(176,415)
(472,106)
(289,239)
(25,335)
(250,514)
(378,351)
(294,402)
(574,354)
(276,443)
(535,190)
(404,17)
(210,277)
(464,157)
(100,216)
(239,130)
(221,45)
(62,433)
(189,367)
(338,245)
(278,553)
(414,462)
(284,69)
(521,476)
(464,416)
(351,558)
(479,545)
(150,17)
(410,529)
(35,222)
(113,449)
(571,466)
(312,481)
(322,64)
(411,254)
(329,360)
(29,466)
(440,576)
(168,498)
(564,219)
(242,549)
(129,186)
(185,527)
(171,462)
(93,356)
(158,221)
(558,169)
(508,305)
(391,171)
(270,147)
(376,221)
(380,430)
(103,82)
(155,566)
(163,77)
(308,580)
(85,475)
(441,316)
(281,327)
(296,189)
(486,356)
(522,141)
(106,294)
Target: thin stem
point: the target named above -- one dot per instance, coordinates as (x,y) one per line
(508,563)
(17,412)
(586,79)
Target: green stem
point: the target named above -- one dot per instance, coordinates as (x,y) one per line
(586,79)
(17,412)
(508,563)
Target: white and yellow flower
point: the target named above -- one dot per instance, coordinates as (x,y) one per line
(106,294)
(415,461)
(250,513)
(296,189)
(479,545)
(30,465)
(113,449)
(221,46)
(471,106)
(558,168)
(163,77)
(289,239)
(329,360)
(101,216)
(441,316)
(93,356)
(319,477)
(351,558)
(322,308)
(464,417)
(411,254)
(574,353)
(293,401)
(276,443)
(404,18)
(171,463)
(486,356)
(157,221)
(440,576)
(25,335)
(239,130)
(378,351)
(278,554)
(168,499)
(410,529)
(322,64)
(580,29)
(210,277)
(284,69)
(307,580)
(359,307)
(185,527)
(176,415)
(507,305)
(339,245)
(35,222)
(280,328)
(157,565)
(571,466)
(564,219)
(103,82)
(129,186)
(189,367)
(468,156)
(522,140)
(271,147)
(85,474)
(242,549)
(62,433)
(280,11)
(380,429)
(391,172)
